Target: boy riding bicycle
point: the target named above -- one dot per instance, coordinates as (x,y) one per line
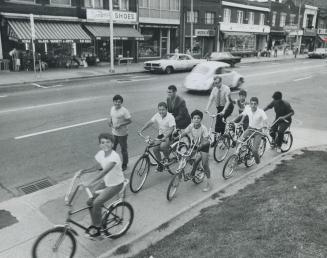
(198,132)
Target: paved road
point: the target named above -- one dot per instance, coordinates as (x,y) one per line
(51,130)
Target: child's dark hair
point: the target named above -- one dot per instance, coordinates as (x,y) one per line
(255,99)
(242,93)
(197,112)
(162,104)
(106,136)
(118,97)
(277,95)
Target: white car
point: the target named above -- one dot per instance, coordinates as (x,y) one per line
(172,62)
(201,77)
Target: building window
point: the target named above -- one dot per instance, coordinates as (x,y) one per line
(227,15)
(60,2)
(273,22)
(119,4)
(282,20)
(262,19)
(24,1)
(174,5)
(164,5)
(209,18)
(309,21)
(93,4)
(292,19)
(144,3)
(154,4)
(251,18)
(239,17)
(195,17)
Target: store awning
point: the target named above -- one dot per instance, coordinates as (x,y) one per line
(122,33)
(236,34)
(47,32)
(323,38)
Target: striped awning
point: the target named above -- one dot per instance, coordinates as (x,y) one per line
(123,33)
(323,38)
(47,32)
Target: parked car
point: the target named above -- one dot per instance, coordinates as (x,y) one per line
(318,53)
(171,63)
(201,77)
(225,57)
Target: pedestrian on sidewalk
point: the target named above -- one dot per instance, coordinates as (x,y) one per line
(177,107)
(296,50)
(275,50)
(118,121)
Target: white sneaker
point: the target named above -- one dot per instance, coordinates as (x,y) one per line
(207,186)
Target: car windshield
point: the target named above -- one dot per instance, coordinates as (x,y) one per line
(171,57)
(320,50)
(221,55)
(201,69)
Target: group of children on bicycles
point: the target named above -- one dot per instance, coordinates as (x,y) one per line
(174,114)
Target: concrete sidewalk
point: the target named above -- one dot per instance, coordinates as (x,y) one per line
(34,213)
(56,75)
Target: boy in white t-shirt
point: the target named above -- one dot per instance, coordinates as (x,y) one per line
(165,123)
(199,133)
(110,180)
(118,121)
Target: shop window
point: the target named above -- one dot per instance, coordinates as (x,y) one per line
(251,17)
(240,43)
(273,22)
(227,15)
(174,5)
(60,2)
(144,3)
(209,18)
(292,19)
(23,1)
(93,4)
(150,46)
(239,17)
(282,20)
(262,19)
(195,17)
(155,4)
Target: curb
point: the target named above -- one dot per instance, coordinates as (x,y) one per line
(212,195)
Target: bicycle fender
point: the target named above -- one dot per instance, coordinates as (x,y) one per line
(71,230)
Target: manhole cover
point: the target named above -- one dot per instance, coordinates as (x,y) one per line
(35,186)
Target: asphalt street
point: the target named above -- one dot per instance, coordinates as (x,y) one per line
(50,131)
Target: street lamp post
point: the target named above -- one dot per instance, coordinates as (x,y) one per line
(192,20)
(111,70)
(298,27)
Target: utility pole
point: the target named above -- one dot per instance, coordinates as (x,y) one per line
(192,20)
(111,70)
(298,26)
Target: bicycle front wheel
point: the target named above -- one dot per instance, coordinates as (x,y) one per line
(139,174)
(262,147)
(56,242)
(230,165)
(172,187)
(287,142)
(221,148)
(199,173)
(118,220)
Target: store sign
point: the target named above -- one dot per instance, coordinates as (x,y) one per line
(322,31)
(244,27)
(289,28)
(104,15)
(296,33)
(204,33)
(58,41)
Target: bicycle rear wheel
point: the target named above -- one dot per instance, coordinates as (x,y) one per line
(56,242)
(173,185)
(262,147)
(221,148)
(230,165)
(287,141)
(118,220)
(139,174)
(249,159)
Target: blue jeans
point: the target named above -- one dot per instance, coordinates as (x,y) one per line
(122,141)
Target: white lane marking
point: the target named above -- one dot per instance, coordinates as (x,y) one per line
(39,86)
(243,66)
(55,86)
(303,78)
(132,80)
(307,62)
(3,96)
(47,105)
(59,128)
(140,76)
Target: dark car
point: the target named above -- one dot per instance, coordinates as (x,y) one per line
(318,53)
(225,57)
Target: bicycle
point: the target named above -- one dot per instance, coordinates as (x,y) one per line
(243,154)
(141,168)
(117,217)
(286,143)
(186,158)
(219,141)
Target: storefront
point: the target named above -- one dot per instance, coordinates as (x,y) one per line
(203,42)
(125,34)
(308,40)
(276,38)
(56,42)
(321,41)
(158,41)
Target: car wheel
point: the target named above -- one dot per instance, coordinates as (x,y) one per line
(169,70)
